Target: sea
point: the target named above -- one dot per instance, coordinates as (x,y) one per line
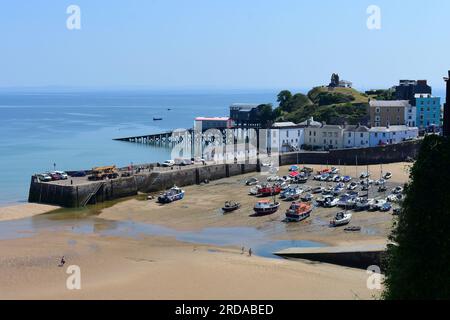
(74,130)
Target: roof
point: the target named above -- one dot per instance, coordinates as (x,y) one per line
(389,103)
(245,106)
(212,119)
(283,124)
(392,128)
(357,128)
(310,123)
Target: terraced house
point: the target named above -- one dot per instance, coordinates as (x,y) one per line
(428,110)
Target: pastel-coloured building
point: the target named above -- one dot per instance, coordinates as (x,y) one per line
(428,111)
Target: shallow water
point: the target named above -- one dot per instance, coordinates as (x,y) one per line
(260,240)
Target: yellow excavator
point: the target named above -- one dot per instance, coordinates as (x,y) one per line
(102,173)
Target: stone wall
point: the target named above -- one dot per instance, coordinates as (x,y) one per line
(99,191)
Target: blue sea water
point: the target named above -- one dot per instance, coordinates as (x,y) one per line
(75,130)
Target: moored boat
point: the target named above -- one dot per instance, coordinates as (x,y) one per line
(266,207)
(171,195)
(298,211)
(231,206)
(267,190)
(341,218)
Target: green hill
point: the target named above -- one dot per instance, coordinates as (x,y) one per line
(331,105)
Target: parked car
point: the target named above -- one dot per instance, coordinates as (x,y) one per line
(44,177)
(62,175)
(352,186)
(168,163)
(54,176)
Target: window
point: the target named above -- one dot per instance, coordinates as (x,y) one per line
(376,134)
(377,110)
(335,134)
(287,133)
(361,135)
(349,134)
(349,142)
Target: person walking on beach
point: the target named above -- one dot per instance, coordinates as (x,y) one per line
(62,262)
(243,249)
(250,252)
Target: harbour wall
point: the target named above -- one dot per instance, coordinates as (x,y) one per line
(88,192)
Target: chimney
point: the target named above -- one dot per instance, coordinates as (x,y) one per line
(447,108)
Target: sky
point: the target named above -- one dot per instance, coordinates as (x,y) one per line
(222,44)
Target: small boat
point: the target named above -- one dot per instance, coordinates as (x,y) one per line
(254,190)
(387,176)
(298,211)
(363,204)
(341,218)
(302,178)
(397,190)
(231,206)
(157,119)
(266,207)
(308,197)
(352,186)
(321,200)
(293,194)
(252,182)
(331,202)
(385,207)
(267,190)
(382,188)
(346,201)
(318,190)
(353,229)
(377,205)
(171,195)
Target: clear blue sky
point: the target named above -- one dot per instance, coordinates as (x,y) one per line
(222,43)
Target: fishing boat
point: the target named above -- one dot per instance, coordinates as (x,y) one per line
(267,190)
(266,207)
(363,204)
(171,195)
(298,211)
(231,206)
(341,218)
(157,119)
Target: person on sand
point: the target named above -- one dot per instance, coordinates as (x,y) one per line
(250,252)
(63,261)
(243,249)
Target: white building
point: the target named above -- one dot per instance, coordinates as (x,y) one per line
(391,135)
(287,136)
(356,137)
(325,137)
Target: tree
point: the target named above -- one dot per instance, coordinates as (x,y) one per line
(418,264)
(284,97)
(266,114)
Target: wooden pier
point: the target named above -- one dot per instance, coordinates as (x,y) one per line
(160,138)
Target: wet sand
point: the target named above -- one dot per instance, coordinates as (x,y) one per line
(162,267)
(21,211)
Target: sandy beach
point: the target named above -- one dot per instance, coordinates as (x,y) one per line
(121,256)
(25,210)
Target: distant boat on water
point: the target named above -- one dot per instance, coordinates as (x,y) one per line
(157,119)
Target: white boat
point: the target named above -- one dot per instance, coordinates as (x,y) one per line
(331,202)
(341,218)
